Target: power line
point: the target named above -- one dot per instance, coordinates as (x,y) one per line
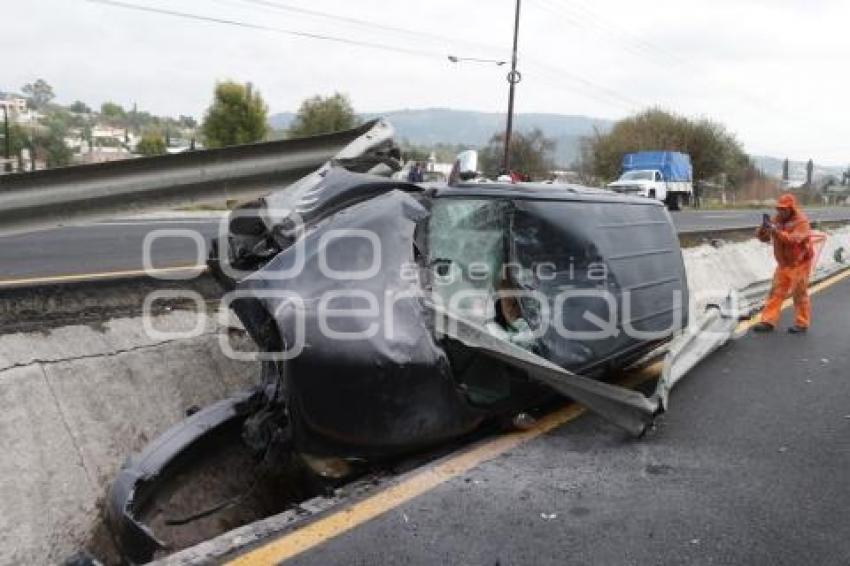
(635,39)
(642,48)
(602,93)
(593,90)
(623,39)
(280,6)
(290,32)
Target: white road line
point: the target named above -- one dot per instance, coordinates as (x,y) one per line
(147,222)
(103,275)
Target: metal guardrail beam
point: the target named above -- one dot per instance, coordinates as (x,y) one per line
(629,409)
(68,195)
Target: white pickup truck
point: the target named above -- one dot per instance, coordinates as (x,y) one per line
(662,175)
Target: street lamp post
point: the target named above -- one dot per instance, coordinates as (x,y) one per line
(513,78)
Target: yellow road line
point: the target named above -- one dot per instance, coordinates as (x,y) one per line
(415,484)
(426,479)
(102,275)
(826,283)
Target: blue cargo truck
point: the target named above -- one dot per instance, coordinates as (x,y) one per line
(663,175)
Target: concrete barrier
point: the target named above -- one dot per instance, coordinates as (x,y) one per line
(75,401)
(714,269)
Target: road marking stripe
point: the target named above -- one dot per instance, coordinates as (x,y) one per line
(417,483)
(423,480)
(149,222)
(102,275)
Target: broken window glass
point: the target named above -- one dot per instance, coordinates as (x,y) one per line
(467,250)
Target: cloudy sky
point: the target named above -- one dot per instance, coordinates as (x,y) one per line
(773,71)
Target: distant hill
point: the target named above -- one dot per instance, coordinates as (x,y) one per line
(281,120)
(434,125)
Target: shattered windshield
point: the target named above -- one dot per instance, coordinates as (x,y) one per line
(467,250)
(474,275)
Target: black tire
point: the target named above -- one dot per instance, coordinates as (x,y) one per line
(674,201)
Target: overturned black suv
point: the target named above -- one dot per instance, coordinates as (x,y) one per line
(393,316)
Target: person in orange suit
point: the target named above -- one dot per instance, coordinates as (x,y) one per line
(790,232)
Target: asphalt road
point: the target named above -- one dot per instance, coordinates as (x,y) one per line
(117,246)
(699,220)
(103,247)
(749,466)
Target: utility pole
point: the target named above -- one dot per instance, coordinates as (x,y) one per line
(513,78)
(6,151)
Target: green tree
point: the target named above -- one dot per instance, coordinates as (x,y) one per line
(87,134)
(714,151)
(413,152)
(48,142)
(187,122)
(38,93)
(112,111)
(79,107)
(18,141)
(443,152)
(60,119)
(447,152)
(54,151)
(151,144)
(318,115)
(531,154)
(237,115)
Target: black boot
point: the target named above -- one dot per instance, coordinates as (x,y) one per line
(798,329)
(763,327)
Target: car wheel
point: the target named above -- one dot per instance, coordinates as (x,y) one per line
(674,201)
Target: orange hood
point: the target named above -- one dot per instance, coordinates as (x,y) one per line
(788,200)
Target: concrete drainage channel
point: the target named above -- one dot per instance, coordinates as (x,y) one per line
(82,385)
(83,391)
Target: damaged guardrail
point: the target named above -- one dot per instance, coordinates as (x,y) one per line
(624,407)
(685,352)
(55,197)
(627,408)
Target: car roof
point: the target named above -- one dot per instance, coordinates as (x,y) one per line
(538,191)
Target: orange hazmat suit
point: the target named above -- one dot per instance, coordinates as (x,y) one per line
(794,253)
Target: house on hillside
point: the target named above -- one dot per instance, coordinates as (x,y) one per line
(17,110)
(13,104)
